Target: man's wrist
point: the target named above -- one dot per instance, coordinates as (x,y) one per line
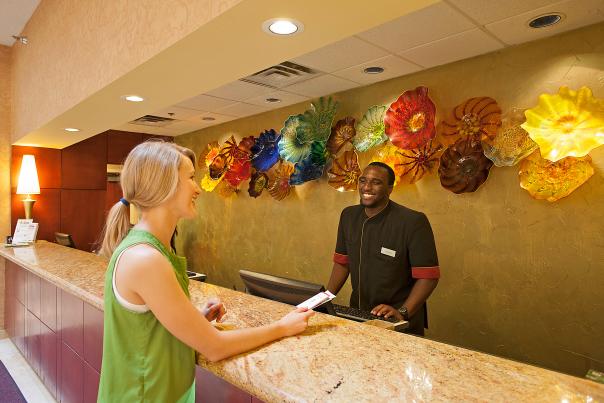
(404,312)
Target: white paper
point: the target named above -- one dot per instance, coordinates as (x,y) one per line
(316,300)
(25,232)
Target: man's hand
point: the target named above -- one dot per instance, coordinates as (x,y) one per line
(387,311)
(213,310)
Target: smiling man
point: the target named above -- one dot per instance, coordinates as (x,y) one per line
(389,252)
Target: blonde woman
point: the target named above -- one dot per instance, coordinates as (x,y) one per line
(151,327)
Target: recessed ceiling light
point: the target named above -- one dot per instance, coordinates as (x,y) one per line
(545,20)
(208,118)
(71,129)
(133,98)
(282,26)
(373,70)
(272,100)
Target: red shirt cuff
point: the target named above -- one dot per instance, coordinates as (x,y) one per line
(432,272)
(340,259)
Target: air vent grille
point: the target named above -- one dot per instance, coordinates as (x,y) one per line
(282,75)
(151,120)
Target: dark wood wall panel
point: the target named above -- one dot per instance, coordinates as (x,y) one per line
(47,212)
(84,164)
(119,144)
(83,216)
(48,165)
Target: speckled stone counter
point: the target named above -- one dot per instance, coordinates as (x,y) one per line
(334,359)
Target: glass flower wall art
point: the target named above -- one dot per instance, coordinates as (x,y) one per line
(409,121)
(477,119)
(567,124)
(551,181)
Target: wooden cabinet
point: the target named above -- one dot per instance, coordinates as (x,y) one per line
(61,337)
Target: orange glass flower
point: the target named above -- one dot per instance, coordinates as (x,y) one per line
(393,157)
(417,162)
(409,122)
(279,186)
(551,181)
(567,124)
(341,133)
(512,143)
(344,173)
(463,166)
(477,118)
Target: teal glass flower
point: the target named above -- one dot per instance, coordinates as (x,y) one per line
(315,123)
(290,149)
(370,131)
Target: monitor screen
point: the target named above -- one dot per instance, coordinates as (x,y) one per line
(64,239)
(281,289)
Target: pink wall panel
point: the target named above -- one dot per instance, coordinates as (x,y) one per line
(72,322)
(93,336)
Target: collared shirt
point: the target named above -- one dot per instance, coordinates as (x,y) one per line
(385,253)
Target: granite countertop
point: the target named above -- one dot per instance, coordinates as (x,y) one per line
(334,359)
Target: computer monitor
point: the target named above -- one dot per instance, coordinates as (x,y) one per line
(64,239)
(282,289)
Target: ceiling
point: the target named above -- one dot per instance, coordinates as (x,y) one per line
(438,34)
(14,14)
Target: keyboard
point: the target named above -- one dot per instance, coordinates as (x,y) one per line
(359,315)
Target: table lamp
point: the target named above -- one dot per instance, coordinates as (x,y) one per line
(28,183)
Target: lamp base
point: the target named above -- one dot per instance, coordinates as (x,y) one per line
(28,205)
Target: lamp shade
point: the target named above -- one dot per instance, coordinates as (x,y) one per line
(28,177)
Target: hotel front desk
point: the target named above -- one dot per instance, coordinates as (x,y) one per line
(53,311)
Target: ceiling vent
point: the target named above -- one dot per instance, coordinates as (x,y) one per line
(155,121)
(282,75)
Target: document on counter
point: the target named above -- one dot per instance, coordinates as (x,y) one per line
(25,231)
(317,300)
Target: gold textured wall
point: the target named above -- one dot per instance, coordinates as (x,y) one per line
(124,34)
(521,278)
(5,105)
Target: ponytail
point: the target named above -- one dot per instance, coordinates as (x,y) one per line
(116,228)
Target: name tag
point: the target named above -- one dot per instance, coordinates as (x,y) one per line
(388,252)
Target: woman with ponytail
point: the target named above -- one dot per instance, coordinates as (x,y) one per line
(151,329)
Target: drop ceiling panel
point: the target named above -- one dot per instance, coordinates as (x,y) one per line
(393,67)
(457,47)
(485,12)
(175,112)
(320,86)
(205,103)
(427,25)
(128,127)
(340,55)
(241,109)
(218,118)
(577,13)
(287,98)
(239,91)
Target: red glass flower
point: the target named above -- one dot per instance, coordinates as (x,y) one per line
(463,166)
(409,122)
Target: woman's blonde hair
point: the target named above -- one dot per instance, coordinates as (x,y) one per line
(149,178)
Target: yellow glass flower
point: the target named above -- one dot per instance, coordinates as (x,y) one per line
(567,124)
(391,155)
(551,181)
(208,184)
(512,143)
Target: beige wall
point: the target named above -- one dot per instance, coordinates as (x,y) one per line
(124,34)
(5,105)
(521,278)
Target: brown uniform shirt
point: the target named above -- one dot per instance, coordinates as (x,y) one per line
(385,254)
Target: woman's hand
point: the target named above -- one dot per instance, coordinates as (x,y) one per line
(214,309)
(295,322)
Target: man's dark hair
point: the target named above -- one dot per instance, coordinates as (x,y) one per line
(391,176)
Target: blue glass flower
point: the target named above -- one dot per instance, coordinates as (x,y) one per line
(305,171)
(290,149)
(265,152)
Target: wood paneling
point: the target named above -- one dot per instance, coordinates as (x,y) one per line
(48,309)
(210,388)
(114,193)
(33,347)
(19,338)
(93,336)
(48,353)
(119,144)
(33,293)
(84,164)
(82,216)
(46,213)
(72,322)
(48,165)
(72,376)
(91,384)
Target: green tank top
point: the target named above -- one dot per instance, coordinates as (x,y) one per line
(142,360)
